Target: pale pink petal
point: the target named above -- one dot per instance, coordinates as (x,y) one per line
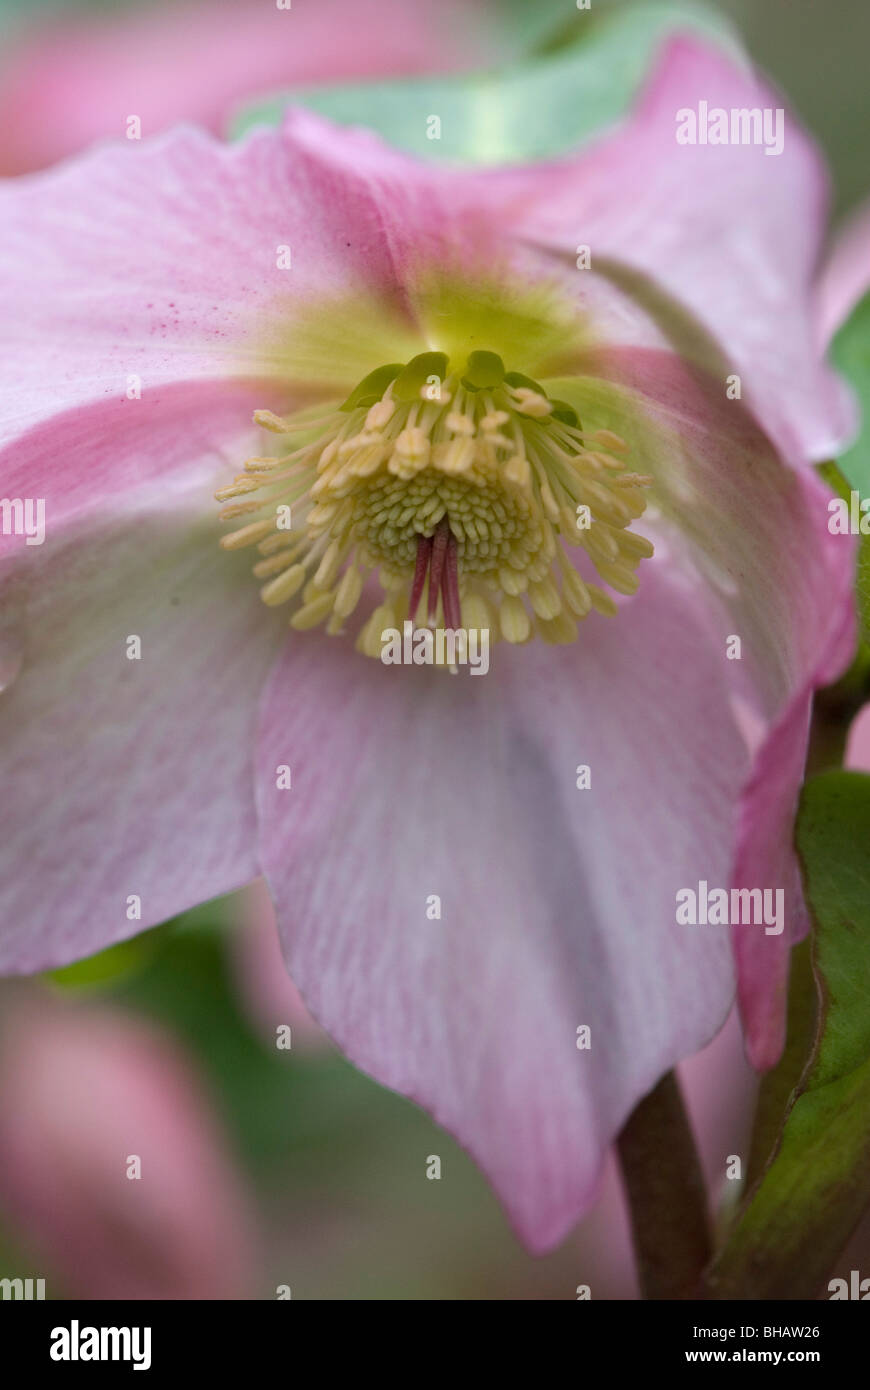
(765,854)
(728,233)
(112,458)
(858,747)
(557,905)
(127,778)
(168,262)
(81,1093)
(846,276)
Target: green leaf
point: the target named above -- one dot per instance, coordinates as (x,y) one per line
(531,111)
(800,1215)
(834,477)
(108,967)
(15,14)
(850,351)
(526,28)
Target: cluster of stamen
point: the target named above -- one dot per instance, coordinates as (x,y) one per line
(460,488)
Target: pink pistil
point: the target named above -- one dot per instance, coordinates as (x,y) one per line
(436,568)
(421,569)
(450,585)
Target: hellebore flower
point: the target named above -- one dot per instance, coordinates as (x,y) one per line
(74,78)
(450,400)
(83,1094)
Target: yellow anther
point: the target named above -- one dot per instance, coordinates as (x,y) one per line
(507,476)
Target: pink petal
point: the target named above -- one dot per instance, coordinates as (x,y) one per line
(858,747)
(271,999)
(846,277)
(759,535)
(558,905)
(116,457)
(765,853)
(78,78)
(81,1091)
(732,234)
(720,1091)
(127,777)
(161,261)
(147,285)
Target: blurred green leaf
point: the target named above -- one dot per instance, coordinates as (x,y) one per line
(800,1215)
(106,967)
(530,28)
(32,13)
(833,475)
(851,354)
(117,963)
(535,110)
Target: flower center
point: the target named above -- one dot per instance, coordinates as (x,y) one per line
(463,486)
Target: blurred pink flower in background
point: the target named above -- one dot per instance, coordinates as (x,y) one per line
(857,757)
(82,1090)
(267,992)
(72,78)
